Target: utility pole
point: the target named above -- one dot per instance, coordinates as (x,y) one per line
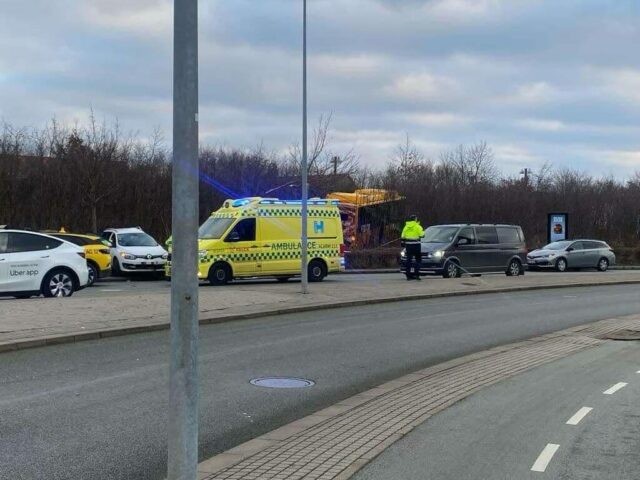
(335,161)
(183,379)
(305,194)
(526,172)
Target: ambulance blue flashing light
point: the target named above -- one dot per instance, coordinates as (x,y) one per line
(241,203)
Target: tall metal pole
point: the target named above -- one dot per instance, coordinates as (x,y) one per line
(305,193)
(183,381)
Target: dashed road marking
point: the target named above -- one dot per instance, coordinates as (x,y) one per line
(545,457)
(111,290)
(615,388)
(579,415)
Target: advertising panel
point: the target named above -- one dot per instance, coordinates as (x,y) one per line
(558,227)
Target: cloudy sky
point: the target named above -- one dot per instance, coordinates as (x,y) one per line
(539,80)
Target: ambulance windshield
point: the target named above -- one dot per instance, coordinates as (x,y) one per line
(214,228)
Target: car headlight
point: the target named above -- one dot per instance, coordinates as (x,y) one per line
(403,253)
(127,256)
(202,253)
(165,256)
(551,255)
(438,254)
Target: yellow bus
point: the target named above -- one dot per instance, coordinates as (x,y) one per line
(261,237)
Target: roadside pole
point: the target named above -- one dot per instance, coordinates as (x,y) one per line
(183,381)
(305,193)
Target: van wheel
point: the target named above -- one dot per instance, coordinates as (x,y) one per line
(317,271)
(603,265)
(561,265)
(451,270)
(283,279)
(58,283)
(514,269)
(220,274)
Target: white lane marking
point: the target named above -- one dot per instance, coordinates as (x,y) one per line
(110,290)
(545,457)
(579,415)
(615,388)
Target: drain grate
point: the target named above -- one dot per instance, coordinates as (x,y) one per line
(624,335)
(282,382)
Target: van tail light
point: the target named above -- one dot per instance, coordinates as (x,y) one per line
(104,251)
(343,249)
(82,254)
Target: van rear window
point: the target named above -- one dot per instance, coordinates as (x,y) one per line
(487,235)
(508,235)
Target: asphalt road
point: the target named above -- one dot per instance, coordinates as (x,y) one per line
(116,286)
(97,409)
(502,431)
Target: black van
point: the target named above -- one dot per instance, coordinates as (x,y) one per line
(451,250)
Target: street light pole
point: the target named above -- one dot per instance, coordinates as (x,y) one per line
(305,193)
(183,379)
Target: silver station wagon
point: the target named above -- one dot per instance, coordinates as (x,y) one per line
(568,254)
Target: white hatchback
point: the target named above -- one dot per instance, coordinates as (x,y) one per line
(132,250)
(33,264)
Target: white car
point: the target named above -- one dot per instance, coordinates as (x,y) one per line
(132,250)
(33,264)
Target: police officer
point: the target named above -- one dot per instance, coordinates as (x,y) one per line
(411,235)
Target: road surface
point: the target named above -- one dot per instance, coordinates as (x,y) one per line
(97,409)
(552,422)
(125,286)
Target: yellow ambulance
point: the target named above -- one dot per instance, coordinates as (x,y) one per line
(261,237)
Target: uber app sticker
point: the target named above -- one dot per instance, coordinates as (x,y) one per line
(24,270)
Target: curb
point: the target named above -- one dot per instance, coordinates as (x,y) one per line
(211,467)
(114,332)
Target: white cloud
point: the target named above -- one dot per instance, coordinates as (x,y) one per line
(421,87)
(533,94)
(623,158)
(437,119)
(346,65)
(141,17)
(623,83)
(542,125)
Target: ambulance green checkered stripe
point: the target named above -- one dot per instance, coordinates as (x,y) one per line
(271,255)
(295,212)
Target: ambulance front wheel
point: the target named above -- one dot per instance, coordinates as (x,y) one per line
(317,271)
(220,274)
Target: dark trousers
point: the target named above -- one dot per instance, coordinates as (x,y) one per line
(414,259)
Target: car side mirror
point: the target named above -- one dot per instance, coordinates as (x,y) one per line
(233,237)
(462,241)
(570,249)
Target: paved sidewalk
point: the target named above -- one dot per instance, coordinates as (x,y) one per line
(27,323)
(336,442)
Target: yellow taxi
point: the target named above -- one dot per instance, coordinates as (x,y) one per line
(96,250)
(260,237)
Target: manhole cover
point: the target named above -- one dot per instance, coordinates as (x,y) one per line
(282,382)
(624,335)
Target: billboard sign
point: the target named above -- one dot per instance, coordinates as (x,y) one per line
(558,227)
